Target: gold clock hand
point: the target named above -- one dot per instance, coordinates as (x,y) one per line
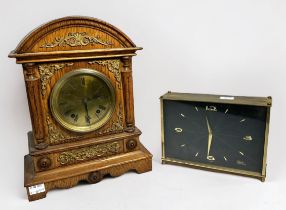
(210,137)
(209,127)
(87,117)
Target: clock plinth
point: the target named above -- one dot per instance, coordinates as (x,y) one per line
(91,171)
(78,77)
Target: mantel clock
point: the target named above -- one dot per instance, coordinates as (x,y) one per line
(78,76)
(218,133)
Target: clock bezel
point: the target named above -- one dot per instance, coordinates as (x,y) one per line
(53,100)
(242,100)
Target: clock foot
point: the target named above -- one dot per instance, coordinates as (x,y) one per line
(39,183)
(35,197)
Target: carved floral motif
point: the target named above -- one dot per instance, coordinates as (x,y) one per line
(47,71)
(113,67)
(88,153)
(117,124)
(56,136)
(74,39)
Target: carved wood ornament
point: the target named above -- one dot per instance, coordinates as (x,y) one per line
(60,157)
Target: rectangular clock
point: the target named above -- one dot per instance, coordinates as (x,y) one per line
(218,133)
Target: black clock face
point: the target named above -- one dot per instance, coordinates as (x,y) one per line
(224,135)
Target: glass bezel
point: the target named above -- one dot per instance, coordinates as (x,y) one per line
(55,96)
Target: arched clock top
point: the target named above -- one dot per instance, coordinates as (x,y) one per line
(70,37)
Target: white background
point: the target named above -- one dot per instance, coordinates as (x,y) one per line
(216,46)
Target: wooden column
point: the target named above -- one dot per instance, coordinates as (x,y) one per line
(32,81)
(127,83)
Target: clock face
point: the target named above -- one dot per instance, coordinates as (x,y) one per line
(82,100)
(225,135)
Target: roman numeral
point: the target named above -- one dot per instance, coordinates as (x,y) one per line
(82,81)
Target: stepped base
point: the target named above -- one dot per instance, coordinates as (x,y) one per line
(39,183)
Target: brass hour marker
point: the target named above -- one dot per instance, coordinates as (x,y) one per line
(196,154)
(196,108)
(178,130)
(225,158)
(226,111)
(209,157)
(183,115)
(241,152)
(211,108)
(242,120)
(247,138)
(182,145)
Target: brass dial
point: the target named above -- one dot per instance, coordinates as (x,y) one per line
(82,100)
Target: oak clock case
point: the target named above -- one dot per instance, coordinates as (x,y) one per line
(220,133)
(78,77)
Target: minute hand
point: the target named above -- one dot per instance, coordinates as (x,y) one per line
(210,137)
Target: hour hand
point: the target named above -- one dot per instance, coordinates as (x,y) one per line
(87,117)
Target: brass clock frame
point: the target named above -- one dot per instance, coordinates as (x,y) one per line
(242,100)
(55,95)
